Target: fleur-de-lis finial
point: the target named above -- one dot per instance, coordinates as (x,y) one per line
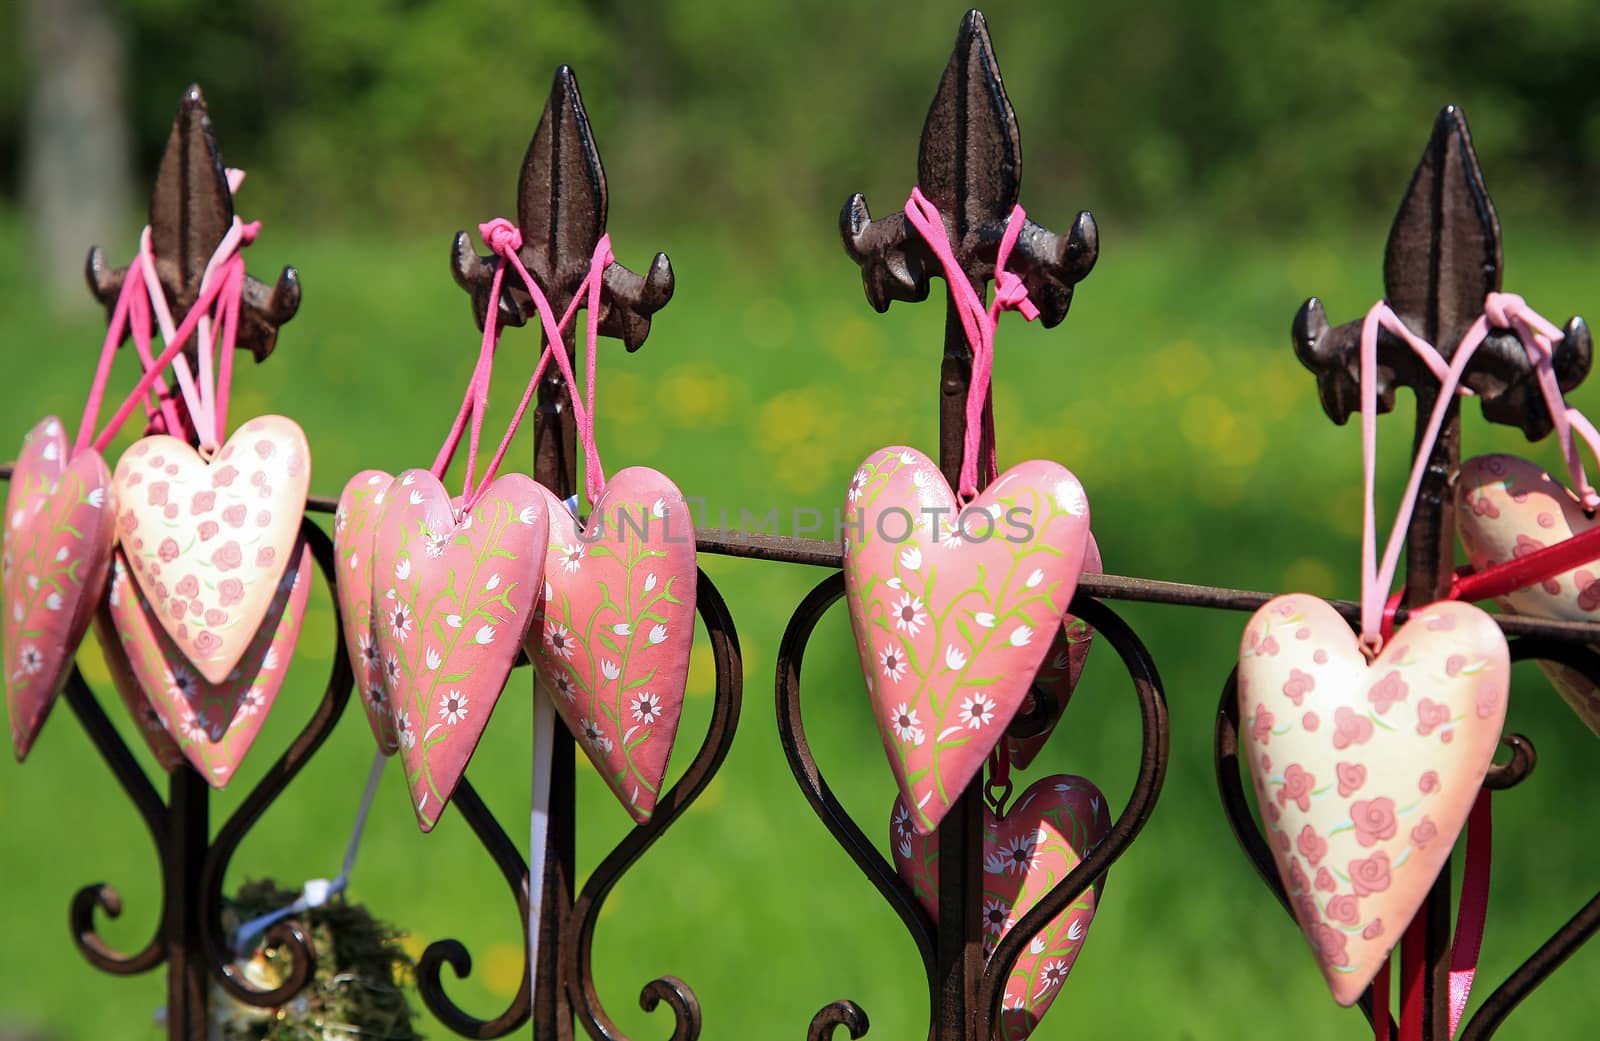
(191,209)
(1443,258)
(561,212)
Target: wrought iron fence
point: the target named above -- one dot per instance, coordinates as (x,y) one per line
(1443,257)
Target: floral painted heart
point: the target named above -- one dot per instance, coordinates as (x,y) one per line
(1058,676)
(952,608)
(59,530)
(212,724)
(1507,508)
(208,541)
(1057,822)
(454,596)
(614,628)
(1365,773)
(353,525)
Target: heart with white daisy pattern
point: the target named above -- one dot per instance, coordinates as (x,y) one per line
(454,594)
(354,522)
(953,608)
(1056,823)
(613,630)
(212,724)
(58,538)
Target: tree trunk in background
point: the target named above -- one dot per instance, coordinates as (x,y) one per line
(75,146)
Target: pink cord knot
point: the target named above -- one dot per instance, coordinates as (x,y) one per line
(603,257)
(1503,308)
(501,236)
(1011,293)
(248,232)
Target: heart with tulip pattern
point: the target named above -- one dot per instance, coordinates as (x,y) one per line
(953,608)
(1365,773)
(1055,824)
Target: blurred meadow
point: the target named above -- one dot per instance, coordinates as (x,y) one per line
(1234,168)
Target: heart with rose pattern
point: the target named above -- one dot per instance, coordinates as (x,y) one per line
(1507,508)
(1365,773)
(614,628)
(454,594)
(1056,823)
(953,607)
(353,525)
(207,541)
(59,530)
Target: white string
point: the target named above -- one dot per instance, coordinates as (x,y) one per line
(316,892)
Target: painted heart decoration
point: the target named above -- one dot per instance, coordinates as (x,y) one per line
(951,608)
(1058,676)
(1057,822)
(1365,774)
(208,541)
(213,725)
(354,523)
(1507,508)
(59,530)
(454,595)
(151,726)
(614,628)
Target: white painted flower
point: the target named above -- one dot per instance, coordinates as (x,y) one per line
(591,733)
(402,569)
(453,621)
(1054,973)
(494,581)
(31,659)
(1036,945)
(1075,930)
(51,451)
(192,728)
(377,500)
(391,670)
(558,640)
(646,707)
(858,484)
(954,659)
(995,915)
(453,709)
(907,458)
(434,542)
(977,711)
(61,554)
(433,659)
(484,635)
(904,721)
(893,662)
(399,617)
(659,508)
(1034,579)
(415,497)
(950,534)
(407,478)
(181,682)
(985,619)
(376,698)
(650,582)
(254,700)
(1019,853)
(549,592)
(269,661)
(909,616)
(901,821)
(893,583)
(609,669)
(1021,635)
(16,518)
(97,498)
(376,479)
(571,557)
(911,558)
(33,581)
(565,687)
(904,846)
(919,479)
(528,515)
(622,629)
(1070,498)
(53,601)
(355,561)
(658,634)
(408,736)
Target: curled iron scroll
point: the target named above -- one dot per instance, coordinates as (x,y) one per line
(287,933)
(579,970)
(99,895)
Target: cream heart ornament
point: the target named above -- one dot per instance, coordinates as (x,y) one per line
(1365,773)
(1058,676)
(953,608)
(454,594)
(213,725)
(59,530)
(207,541)
(1507,508)
(354,524)
(1056,823)
(614,628)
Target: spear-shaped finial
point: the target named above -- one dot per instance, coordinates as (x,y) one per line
(1443,258)
(561,212)
(191,209)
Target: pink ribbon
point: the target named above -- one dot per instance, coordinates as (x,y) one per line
(978,322)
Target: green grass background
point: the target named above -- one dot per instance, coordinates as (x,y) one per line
(1171,391)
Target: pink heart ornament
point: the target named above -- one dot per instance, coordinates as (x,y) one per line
(1056,823)
(1058,676)
(950,608)
(59,530)
(207,541)
(454,597)
(1365,774)
(614,628)
(213,725)
(1507,508)
(354,523)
